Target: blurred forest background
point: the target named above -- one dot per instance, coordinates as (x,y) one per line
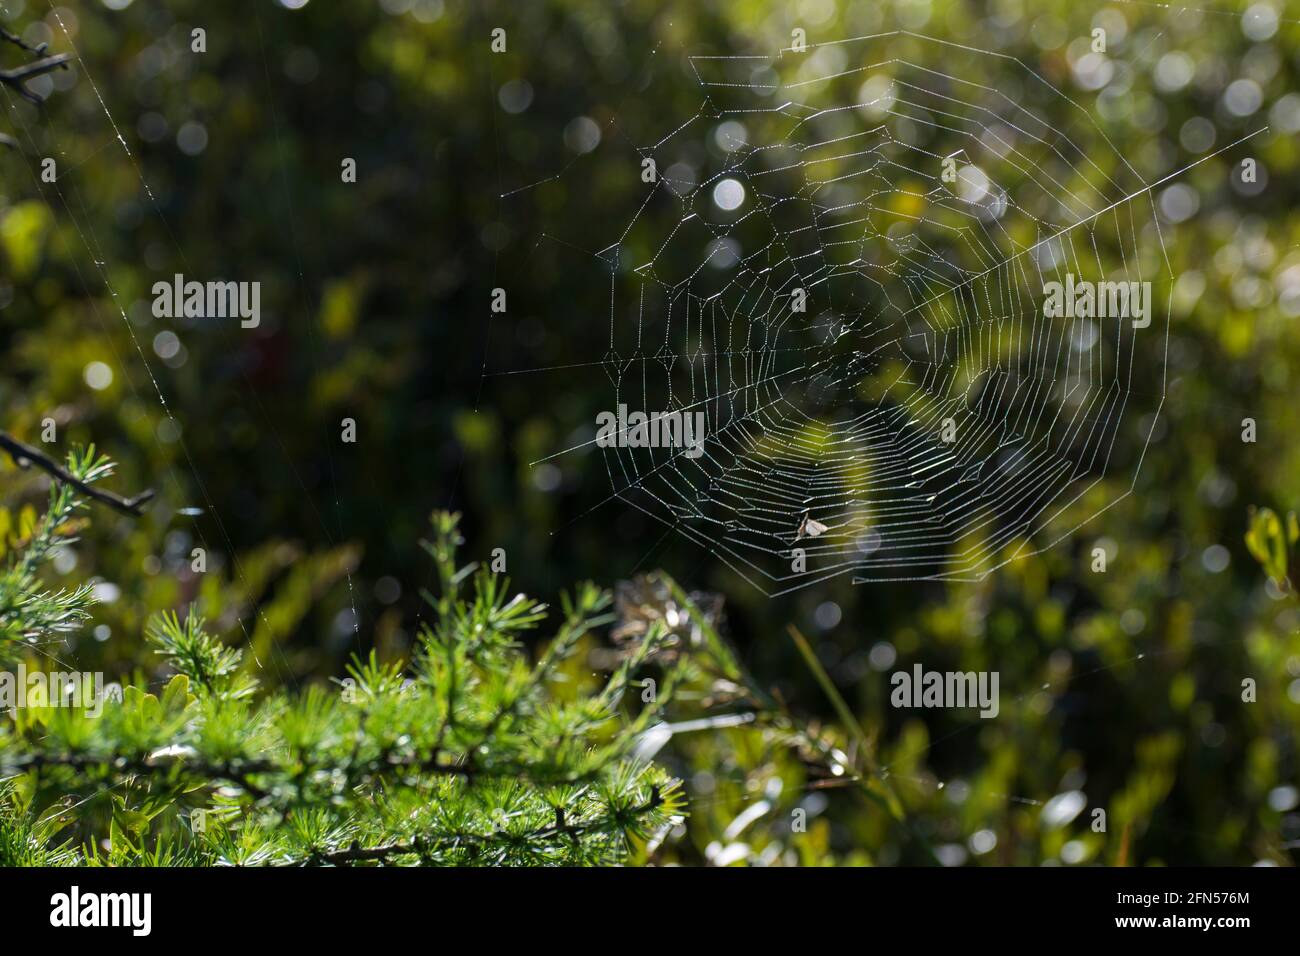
(1120,690)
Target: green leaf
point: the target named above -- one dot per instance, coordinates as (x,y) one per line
(176,696)
(1268,543)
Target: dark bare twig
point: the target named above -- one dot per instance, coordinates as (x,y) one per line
(17,78)
(22,44)
(24,455)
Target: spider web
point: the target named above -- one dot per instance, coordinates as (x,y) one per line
(920,417)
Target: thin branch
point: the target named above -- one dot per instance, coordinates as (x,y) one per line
(24,455)
(238,771)
(139,765)
(22,44)
(422,846)
(18,77)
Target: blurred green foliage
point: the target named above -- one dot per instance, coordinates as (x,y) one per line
(1124,687)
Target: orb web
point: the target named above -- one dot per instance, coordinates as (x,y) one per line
(917,414)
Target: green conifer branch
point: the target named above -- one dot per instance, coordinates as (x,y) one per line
(464,754)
